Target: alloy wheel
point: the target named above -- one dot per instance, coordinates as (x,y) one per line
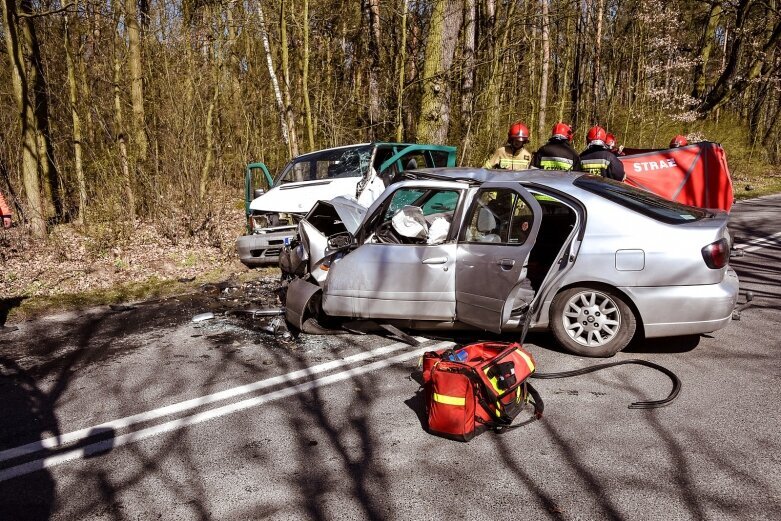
(591,318)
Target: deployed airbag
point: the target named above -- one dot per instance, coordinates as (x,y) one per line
(409,222)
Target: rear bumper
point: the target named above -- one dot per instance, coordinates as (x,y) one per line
(262,249)
(686,310)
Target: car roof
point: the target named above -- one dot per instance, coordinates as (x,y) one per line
(552,178)
(356,145)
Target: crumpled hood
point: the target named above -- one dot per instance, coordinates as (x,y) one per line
(350,211)
(301,197)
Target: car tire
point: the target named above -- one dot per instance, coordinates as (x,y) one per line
(592,322)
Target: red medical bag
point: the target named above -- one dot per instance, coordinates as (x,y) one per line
(477,387)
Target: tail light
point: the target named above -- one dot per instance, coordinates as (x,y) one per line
(716,254)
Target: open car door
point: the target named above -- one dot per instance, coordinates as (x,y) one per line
(497,234)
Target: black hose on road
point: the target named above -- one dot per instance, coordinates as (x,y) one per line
(653,404)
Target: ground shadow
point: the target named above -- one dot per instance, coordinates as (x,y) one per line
(6,305)
(672,344)
(25,406)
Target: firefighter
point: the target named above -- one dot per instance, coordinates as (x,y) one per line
(558,153)
(610,142)
(512,156)
(598,159)
(5,212)
(679,141)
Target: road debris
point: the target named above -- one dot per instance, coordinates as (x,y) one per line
(203,316)
(121,307)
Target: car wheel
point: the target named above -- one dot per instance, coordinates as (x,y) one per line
(592,322)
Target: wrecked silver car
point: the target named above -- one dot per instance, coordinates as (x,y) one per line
(592,260)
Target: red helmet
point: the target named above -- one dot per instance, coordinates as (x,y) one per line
(562,130)
(678,141)
(518,131)
(610,141)
(596,136)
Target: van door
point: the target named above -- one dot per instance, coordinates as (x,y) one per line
(496,237)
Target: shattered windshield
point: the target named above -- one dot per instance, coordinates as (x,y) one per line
(328,164)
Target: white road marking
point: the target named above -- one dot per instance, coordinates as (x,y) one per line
(760,242)
(124,439)
(55,442)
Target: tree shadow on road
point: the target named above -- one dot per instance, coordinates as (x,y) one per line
(27,408)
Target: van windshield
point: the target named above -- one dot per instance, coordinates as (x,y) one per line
(328,164)
(639,200)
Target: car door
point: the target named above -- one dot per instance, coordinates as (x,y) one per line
(412,279)
(497,234)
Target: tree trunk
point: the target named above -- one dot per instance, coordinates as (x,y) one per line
(73,101)
(32,187)
(595,83)
(136,81)
(119,132)
(305,79)
(402,60)
(371,9)
(289,114)
(208,161)
(468,77)
(706,46)
(545,67)
(51,183)
(274,82)
(564,83)
(577,78)
(233,59)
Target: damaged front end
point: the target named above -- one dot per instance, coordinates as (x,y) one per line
(269,233)
(325,235)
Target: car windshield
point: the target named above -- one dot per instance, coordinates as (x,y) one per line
(639,200)
(328,164)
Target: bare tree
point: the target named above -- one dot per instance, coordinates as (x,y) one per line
(18,76)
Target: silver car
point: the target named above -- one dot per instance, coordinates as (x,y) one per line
(593,260)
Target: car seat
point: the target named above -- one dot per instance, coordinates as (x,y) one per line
(487,226)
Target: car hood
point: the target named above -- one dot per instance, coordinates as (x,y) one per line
(350,211)
(301,197)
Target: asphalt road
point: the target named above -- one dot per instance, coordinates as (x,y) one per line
(162,418)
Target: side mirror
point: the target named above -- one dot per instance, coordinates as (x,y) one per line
(340,240)
(258,192)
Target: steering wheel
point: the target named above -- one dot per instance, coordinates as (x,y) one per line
(386,234)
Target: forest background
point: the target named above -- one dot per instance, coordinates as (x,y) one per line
(126,125)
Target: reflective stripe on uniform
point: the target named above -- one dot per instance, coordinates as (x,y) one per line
(594,165)
(449,400)
(514,164)
(556,163)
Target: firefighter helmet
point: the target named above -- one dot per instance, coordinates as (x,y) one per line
(562,131)
(518,131)
(678,141)
(610,141)
(596,136)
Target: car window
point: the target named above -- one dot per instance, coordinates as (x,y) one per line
(402,198)
(436,207)
(639,200)
(438,157)
(328,164)
(499,216)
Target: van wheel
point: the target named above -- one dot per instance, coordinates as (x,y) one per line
(592,322)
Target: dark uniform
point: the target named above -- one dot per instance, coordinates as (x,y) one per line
(598,160)
(556,154)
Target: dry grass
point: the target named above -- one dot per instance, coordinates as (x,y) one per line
(78,267)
